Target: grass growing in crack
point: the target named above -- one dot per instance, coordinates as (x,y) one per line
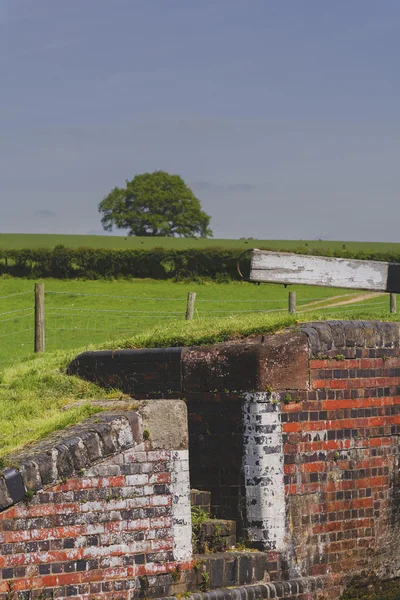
(199,517)
(176,574)
(205,581)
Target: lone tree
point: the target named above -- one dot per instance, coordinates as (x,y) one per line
(156,204)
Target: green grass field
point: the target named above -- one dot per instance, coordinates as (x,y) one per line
(78,313)
(37,397)
(30,240)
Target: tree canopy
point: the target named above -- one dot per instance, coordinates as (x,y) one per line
(156,204)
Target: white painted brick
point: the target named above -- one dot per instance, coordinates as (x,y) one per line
(181,467)
(104,471)
(93,472)
(136,501)
(162,545)
(94,528)
(137,524)
(183,501)
(80,542)
(135,456)
(181,512)
(157,455)
(137,479)
(161,522)
(180,478)
(148,467)
(91,507)
(104,550)
(180,455)
(118,459)
(159,500)
(115,515)
(264,471)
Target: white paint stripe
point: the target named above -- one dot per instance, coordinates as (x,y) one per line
(264,470)
(181,513)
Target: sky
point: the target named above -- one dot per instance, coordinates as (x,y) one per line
(281,115)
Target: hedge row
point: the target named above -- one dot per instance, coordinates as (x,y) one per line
(159,263)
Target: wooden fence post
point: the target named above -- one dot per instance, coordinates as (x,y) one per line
(39,317)
(292,302)
(393,303)
(190,305)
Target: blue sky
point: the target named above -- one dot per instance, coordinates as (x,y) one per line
(283,116)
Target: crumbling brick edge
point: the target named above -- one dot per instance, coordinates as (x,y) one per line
(67,453)
(234,365)
(326,337)
(294,588)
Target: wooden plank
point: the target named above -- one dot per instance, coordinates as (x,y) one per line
(286,268)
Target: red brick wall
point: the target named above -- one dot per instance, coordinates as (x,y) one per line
(341,461)
(93,535)
(336,386)
(339,398)
(117,527)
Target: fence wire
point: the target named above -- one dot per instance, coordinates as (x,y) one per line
(183,299)
(70,328)
(16,334)
(77,320)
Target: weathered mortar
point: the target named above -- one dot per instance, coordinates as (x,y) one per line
(296,434)
(212,380)
(332,392)
(341,453)
(95,509)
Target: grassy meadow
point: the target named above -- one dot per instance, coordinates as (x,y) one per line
(79,313)
(9,241)
(37,397)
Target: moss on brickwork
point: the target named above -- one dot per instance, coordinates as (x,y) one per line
(371,588)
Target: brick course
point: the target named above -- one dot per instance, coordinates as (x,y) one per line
(341,455)
(122,520)
(335,390)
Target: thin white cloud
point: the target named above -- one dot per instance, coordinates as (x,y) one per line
(240,187)
(202,186)
(45,213)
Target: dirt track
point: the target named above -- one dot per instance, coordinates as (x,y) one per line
(352,300)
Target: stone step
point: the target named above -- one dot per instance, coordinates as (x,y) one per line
(201,499)
(209,535)
(213,535)
(213,571)
(218,534)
